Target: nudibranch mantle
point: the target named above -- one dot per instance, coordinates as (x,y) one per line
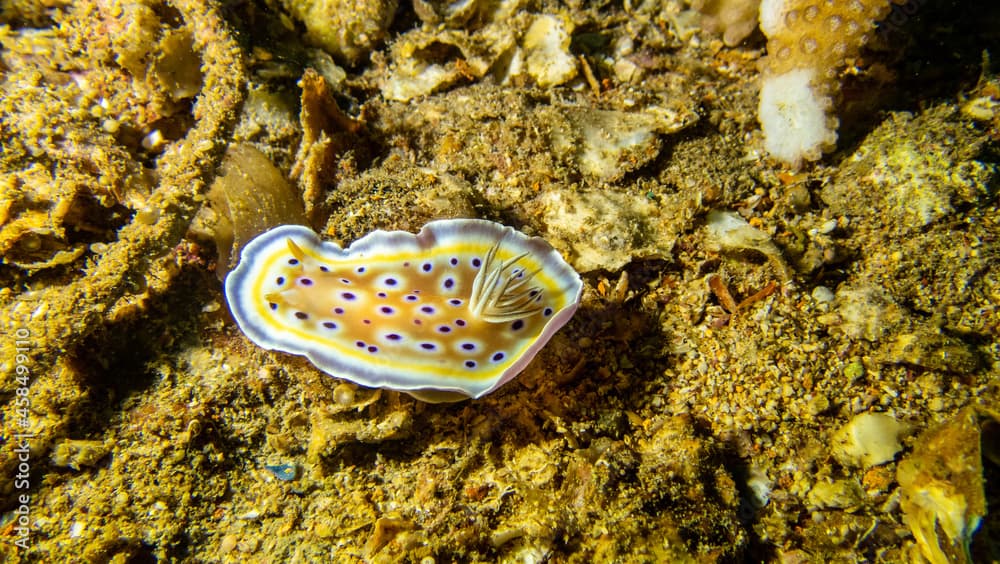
(458,309)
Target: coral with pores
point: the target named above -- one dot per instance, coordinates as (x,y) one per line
(809,44)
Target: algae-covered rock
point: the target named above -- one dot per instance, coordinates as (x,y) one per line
(911,172)
(607,144)
(621,228)
(932,350)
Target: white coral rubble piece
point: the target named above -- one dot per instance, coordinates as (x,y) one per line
(548,59)
(869,439)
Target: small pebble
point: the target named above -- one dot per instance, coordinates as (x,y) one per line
(828,227)
(822,294)
(153,141)
(854,371)
(343,394)
(147,216)
(227,544)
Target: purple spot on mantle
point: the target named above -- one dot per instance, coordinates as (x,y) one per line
(476,263)
(305,281)
(393,337)
(470,364)
(428,346)
(468,346)
(338,310)
(498,357)
(301,315)
(449,283)
(444,329)
(547,312)
(329,325)
(387,310)
(460,322)
(347,295)
(517,324)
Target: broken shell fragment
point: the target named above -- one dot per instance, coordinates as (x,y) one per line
(869,439)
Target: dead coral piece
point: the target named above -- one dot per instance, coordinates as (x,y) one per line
(386,529)
(932,350)
(867,312)
(942,499)
(452,13)
(332,428)
(607,144)
(162,66)
(424,62)
(516,46)
(174,73)
(546,51)
(347,29)
(603,230)
(327,134)
(727,231)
